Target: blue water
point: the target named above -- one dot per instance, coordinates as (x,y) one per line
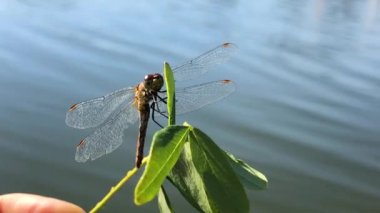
(305,112)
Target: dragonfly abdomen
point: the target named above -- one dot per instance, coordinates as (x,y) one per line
(144,118)
(142,100)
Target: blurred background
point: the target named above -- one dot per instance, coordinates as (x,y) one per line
(305,112)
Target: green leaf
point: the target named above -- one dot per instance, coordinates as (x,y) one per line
(164,202)
(170,91)
(206,179)
(166,147)
(250,177)
(188,181)
(221,183)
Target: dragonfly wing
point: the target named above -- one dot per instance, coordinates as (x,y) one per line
(201,64)
(94,112)
(194,97)
(108,137)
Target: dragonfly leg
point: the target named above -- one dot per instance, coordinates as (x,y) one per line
(161,99)
(155,102)
(153,117)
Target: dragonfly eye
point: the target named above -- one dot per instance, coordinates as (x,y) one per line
(153,81)
(152,76)
(148,80)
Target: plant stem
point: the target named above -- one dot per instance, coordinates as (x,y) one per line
(116,188)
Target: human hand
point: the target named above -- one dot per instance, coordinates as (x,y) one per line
(25,203)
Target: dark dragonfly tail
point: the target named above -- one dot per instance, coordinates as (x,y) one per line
(144,118)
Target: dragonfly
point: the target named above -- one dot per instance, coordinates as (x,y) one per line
(113,113)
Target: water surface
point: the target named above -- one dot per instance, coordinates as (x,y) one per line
(306,110)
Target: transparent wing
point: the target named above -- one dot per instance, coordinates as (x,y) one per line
(94,112)
(108,137)
(201,64)
(195,97)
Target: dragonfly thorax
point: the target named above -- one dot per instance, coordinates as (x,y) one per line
(147,90)
(153,82)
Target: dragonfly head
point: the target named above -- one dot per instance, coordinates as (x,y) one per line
(153,81)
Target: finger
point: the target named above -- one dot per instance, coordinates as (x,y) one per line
(20,202)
